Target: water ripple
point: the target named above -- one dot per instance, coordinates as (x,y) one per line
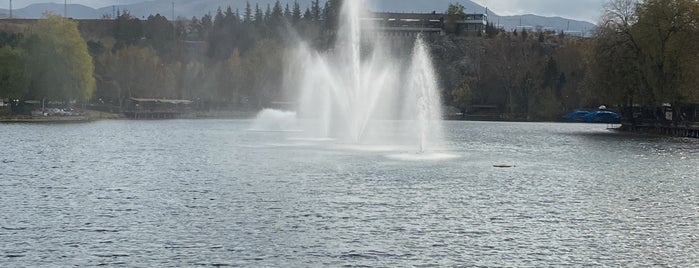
(204,193)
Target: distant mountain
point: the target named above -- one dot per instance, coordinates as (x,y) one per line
(198,8)
(556,23)
(35,11)
(424,6)
(506,22)
(192,8)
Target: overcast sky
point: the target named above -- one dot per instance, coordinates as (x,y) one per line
(588,10)
(90,3)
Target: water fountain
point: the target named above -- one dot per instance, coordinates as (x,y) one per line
(360,93)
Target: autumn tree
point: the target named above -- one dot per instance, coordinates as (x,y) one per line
(509,73)
(455,14)
(665,35)
(645,52)
(572,62)
(135,72)
(461,97)
(59,65)
(264,72)
(13,79)
(231,79)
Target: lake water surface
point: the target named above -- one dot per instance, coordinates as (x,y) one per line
(211,193)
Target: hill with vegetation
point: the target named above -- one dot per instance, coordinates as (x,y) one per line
(189,9)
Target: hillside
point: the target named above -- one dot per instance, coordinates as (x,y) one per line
(188,9)
(37,10)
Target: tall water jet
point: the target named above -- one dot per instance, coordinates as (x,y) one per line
(424,86)
(359,92)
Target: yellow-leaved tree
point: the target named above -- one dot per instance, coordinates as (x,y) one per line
(58,62)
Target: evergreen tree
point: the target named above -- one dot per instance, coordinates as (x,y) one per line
(206,26)
(248,16)
(13,78)
(127,30)
(296,13)
(195,30)
(308,16)
(259,16)
(218,19)
(287,12)
(277,13)
(229,13)
(268,14)
(160,34)
(316,11)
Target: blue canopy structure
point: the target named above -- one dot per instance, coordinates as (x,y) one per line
(603,116)
(599,116)
(576,116)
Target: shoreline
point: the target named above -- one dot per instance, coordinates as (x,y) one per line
(85,117)
(92,116)
(47,119)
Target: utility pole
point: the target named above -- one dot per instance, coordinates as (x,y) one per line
(10,9)
(173,11)
(65,8)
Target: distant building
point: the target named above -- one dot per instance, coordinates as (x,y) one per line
(474,23)
(196,50)
(412,24)
(574,33)
(136,108)
(525,28)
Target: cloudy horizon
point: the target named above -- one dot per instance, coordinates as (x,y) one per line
(587,10)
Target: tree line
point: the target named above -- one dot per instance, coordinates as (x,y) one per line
(52,63)
(242,60)
(240,64)
(647,53)
(643,53)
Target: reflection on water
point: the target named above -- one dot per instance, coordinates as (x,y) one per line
(186,193)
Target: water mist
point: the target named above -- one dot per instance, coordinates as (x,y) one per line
(360,93)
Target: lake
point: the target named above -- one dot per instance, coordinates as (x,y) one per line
(212,193)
